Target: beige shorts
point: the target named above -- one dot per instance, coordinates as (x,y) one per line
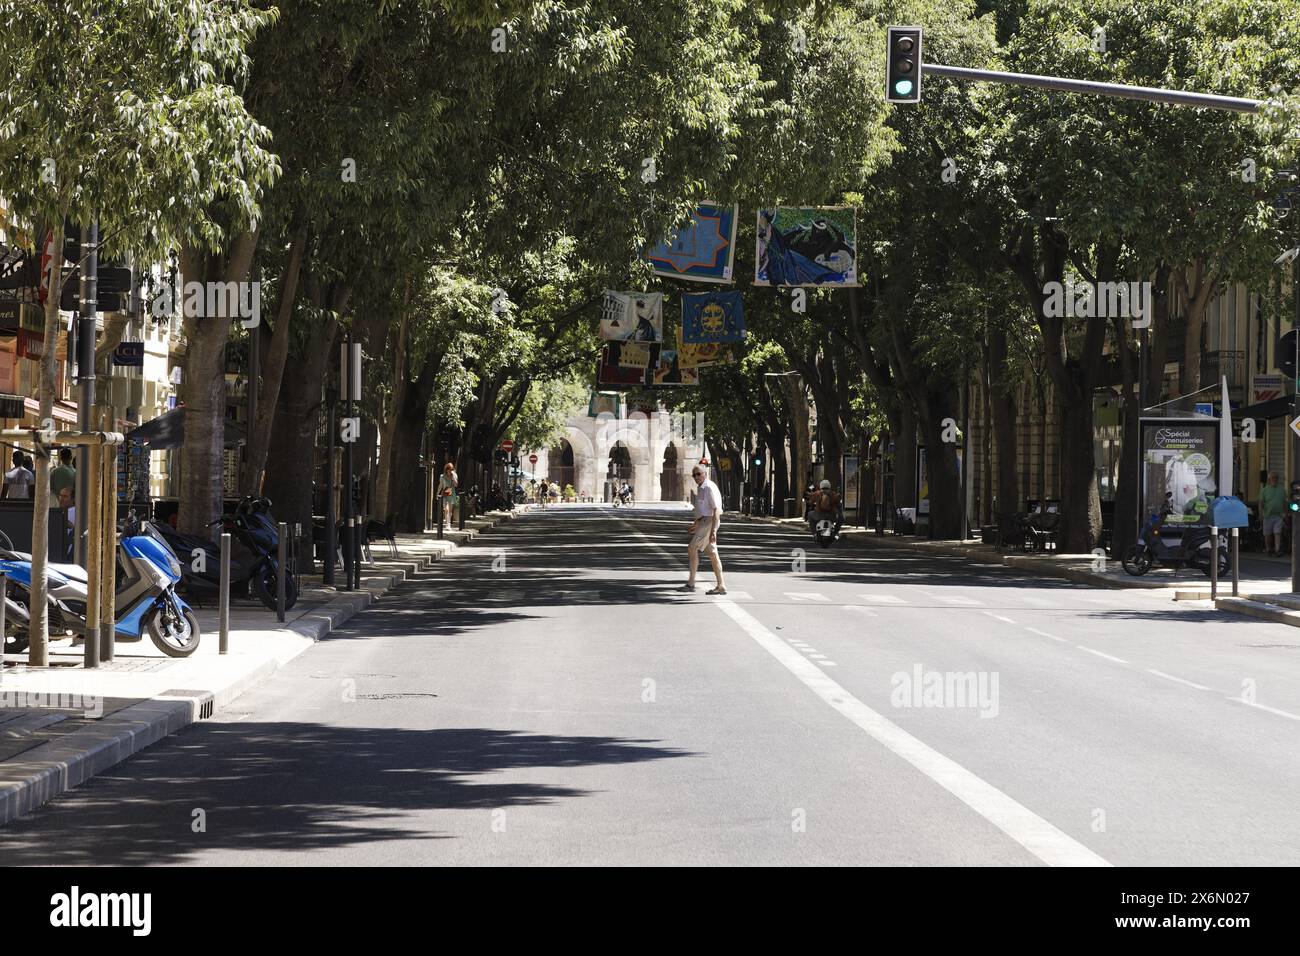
(700,539)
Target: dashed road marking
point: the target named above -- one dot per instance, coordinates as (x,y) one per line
(1034,630)
(1271,710)
(1035,834)
(999,617)
(1109,657)
(882,598)
(1179,680)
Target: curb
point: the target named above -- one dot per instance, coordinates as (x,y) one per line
(70,761)
(1273,613)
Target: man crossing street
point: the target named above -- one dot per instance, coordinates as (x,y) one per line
(704,529)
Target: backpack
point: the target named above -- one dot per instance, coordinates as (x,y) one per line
(826,502)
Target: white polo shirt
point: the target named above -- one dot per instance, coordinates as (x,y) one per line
(708,499)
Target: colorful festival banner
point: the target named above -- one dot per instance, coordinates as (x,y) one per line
(633,317)
(713,317)
(633,355)
(610,373)
(668,371)
(807,246)
(703,250)
(602,403)
(697,355)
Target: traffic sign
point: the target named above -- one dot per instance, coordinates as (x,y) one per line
(1295,426)
(507,445)
(532,459)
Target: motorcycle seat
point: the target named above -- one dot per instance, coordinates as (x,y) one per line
(74,572)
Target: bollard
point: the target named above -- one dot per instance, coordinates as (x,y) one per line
(223,601)
(462,512)
(279,572)
(1214,562)
(94,553)
(108,562)
(1234,562)
(442,514)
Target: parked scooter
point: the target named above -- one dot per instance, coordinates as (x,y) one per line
(252,567)
(1154,547)
(146,578)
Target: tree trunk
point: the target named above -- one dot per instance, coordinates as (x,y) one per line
(292,455)
(1002,407)
(204,389)
(272,370)
(905,459)
(1080,498)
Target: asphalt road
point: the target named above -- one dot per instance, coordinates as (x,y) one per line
(547,697)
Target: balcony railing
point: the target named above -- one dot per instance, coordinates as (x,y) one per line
(1214,365)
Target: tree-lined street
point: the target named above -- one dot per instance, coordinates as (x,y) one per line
(573,708)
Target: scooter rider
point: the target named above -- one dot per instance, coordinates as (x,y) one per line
(825,504)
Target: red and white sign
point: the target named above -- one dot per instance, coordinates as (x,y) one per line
(1265,388)
(507,445)
(532,459)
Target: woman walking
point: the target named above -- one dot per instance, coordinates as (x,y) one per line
(447,492)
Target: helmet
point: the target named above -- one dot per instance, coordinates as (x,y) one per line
(825,485)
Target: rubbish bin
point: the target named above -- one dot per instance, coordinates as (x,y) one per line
(790,506)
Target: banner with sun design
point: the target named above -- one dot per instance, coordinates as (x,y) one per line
(710,317)
(703,250)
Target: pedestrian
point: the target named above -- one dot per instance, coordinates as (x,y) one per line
(1272,506)
(542,491)
(67,501)
(447,491)
(704,529)
(65,475)
(18,480)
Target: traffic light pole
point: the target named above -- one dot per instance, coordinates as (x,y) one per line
(1295,521)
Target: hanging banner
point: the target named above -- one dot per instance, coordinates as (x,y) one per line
(668,370)
(632,317)
(610,372)
(807,246)
(703,250)
(633,355)
(602,403)
(1179,468)
(698,355)
(713,317)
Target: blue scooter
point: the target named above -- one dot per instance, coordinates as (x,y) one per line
(147,574)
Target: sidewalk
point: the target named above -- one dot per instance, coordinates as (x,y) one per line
(62,724)
(1264,588)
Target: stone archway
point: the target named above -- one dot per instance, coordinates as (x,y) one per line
(560,465)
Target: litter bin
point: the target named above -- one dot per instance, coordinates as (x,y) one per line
(789,507)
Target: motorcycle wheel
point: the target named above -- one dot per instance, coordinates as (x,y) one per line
(174,640)
(264,586)
(1138,561)
(15,638)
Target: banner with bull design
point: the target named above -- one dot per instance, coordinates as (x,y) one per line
(807,246)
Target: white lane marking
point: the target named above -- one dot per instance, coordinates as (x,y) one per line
(957,599)
(825,663)
(998,617)
(806,596)
(1031,831)
(1109,657)
(1034,630)
(1271,710)
(882,598)
(860,609)
(1179,680)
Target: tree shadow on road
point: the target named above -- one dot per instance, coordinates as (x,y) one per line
(299,787)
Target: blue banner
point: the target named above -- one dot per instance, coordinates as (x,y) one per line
(703,250)
(709,317)
(807,246)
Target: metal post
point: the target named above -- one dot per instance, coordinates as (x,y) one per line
(1295,528)
(254,379)
(349,523)
(441,515)
(331,513)
(223,599)
(1235,581)
(93,504)
(4,618)
(1214,562)
(108,560)
(86,379)
(462,513)
(281,558)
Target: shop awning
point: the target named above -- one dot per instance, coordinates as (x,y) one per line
(168,431)
(1274,408)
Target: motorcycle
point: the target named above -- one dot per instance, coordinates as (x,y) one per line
(1192,548)
(253,569)
(825,532)
(146,598)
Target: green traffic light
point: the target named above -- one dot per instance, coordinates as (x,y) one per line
(903,88)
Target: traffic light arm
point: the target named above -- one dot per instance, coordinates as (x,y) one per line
(1151,94)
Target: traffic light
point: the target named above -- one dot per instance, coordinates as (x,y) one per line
(1294,504)
(1286,352)
(903,65)
(758,461)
